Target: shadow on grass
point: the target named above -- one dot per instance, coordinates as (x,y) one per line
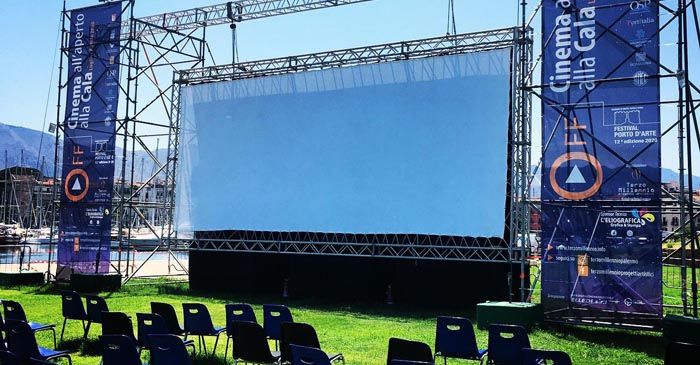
(357,306)
(209,359)
(649,343)
(91,346)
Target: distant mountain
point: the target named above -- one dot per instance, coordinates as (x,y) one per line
(21,145)
(667,175)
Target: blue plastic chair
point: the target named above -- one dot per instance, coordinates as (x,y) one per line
(95,305)
(538,357)
(168,313)
(14,311)
(149,324)
(119,350)
(8,358)
(302,355)
(240,312)
(117,323)
(273,316)
(73,309)
(22,343)
(152,324)
(168,350)
(506,343)
(455,338)
(400,349)
(250,344)
(198,323)
(301,334)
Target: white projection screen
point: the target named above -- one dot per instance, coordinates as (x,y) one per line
(416,146)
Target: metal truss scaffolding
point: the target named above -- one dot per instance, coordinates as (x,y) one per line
(170,41)
(145,48)
(176,42)
(687,102)
(519,40)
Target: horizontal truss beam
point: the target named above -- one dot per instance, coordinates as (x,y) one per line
(495,253)
(233,11)
(438,46)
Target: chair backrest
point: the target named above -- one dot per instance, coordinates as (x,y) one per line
(119,350)
(150,324)
(400,349)
(240,312)
(678,353)
(167,311)
(506,343)
(168,350)
(95,305)
(296,333)
(21,340)
(8,358)
(72,306)
(454,337)
(250,343)
(117,323)
(302,355)
(273,316)
(13,311)
(197,319)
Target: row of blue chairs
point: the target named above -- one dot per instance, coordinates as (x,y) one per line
(455,338)
(161,334)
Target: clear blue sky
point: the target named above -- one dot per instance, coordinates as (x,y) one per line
(30,34)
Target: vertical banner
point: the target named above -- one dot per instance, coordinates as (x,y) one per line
(89,138)
(601,254)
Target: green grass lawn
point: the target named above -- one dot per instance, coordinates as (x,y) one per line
(361,333)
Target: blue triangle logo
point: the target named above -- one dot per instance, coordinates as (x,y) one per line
(76,185)
(575,177)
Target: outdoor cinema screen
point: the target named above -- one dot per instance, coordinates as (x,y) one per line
(413,146)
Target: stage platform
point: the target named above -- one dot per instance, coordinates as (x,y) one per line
(432,283)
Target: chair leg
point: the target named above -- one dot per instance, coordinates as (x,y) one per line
(86,331)
(216,342)
(226,348)
(204,344)
(63,328)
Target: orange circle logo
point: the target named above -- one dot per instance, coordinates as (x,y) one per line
(576,195)
(83,189)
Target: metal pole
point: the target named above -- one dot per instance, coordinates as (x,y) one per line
(54,205)
(522,204)
(688,130)
(681,161)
